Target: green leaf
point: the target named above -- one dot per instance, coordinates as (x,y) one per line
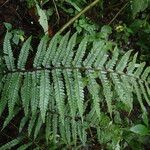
(145,118)
(24,146)
(44,93)
(8,54)
(43,19)
(24,54)
(79,93)
(123,62)
(140,129)
(59,92)
(80,52)
(138,6)
(11,144)
(41,50)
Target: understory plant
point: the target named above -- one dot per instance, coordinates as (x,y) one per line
(71,88)
(78,90)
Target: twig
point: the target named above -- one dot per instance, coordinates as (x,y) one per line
(78,15)
(4,3)
(118,13)
(58,17)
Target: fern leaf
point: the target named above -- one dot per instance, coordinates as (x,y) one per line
(97,47)
(112,62)
(69,51)
(31,123)
(24,146)
(26,92)
(144,92)
(139,70)
(107,90)
(48,128)
(41,50)
(79,93)
(68,131)
(62,132)
(35,90)
(11,144)
(123,62)
(128,91)
(13,91)
(119,88)
(70,91)
(8,54)
(38,126)
(50,53)
(74,131)
(5,96)
(59,92)
(23,122)
(60,53)
(138,93)
(24,54)
(147,89)
(10,117)
(80,52)
(44,93)
(132,64)
(101,57)
(93,89)
(145,74)
(82,133)
(55,127)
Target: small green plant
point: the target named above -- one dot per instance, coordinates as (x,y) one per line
(82,90)
(64,92)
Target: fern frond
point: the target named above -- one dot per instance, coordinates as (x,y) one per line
(24,54)
(79,93)
(55,127)
(25,146)
(26,92)
(80,53)
(69,51)
(59,93)
(23,123)
(35,90)
(5,91)
(145,74)
(44,93)
(50,53)
(139,94)
(31,123)
(10,117)
(66,91)
(38,126)
(11,144)
(132,65)
(97,47)
(94,90)
(112,62)
(107,90)
(60,53)
(8,54)
(41,50)
(139,70)
(70,92)
(13,91)
(123,62)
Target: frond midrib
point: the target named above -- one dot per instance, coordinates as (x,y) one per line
(74,68)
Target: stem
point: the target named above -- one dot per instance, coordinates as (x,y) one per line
(77,16)
(118,13)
